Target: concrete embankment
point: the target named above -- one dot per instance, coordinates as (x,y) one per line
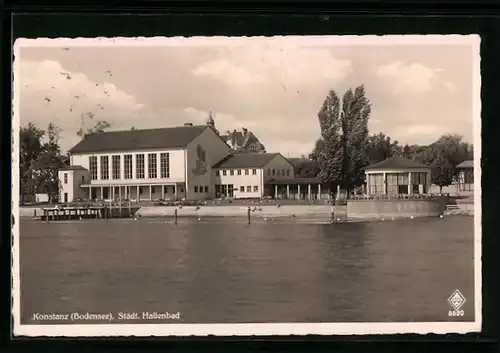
(30,212)
(316,212)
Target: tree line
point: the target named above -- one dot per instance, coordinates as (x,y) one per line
(345,146)
(41,158)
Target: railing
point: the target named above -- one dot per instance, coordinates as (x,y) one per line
(396,197)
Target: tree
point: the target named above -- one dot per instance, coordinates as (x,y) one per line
(341,152)
(328,153)
(380,147)
(50,160)
(306,168)
(356,109)
(450,147)
(98,127)
(442,172)
(30,147)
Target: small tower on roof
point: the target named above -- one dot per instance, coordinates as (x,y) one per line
(211,122)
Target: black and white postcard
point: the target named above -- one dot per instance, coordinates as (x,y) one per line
(237,186)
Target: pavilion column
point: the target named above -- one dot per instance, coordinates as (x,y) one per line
(112,192)
(150,192)
(163,192)
(175,191)
(384,176)
(120,193)
(138,198)
(309,191)
(410,186)
(319,192)
(102,192)
(298,192)
(90,192)
(287,191)
(276,191)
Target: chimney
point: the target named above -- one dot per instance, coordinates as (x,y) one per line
(188,124)
(245,130)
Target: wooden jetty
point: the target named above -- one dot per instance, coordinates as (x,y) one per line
(86,212)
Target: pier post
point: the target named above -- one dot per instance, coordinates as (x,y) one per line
(175,216)
(249,215)
(332,212)
(46,215)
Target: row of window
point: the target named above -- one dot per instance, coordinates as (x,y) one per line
(270,172)
(278,172)
(127,164)
(237,171)
(249,188)
(201,189)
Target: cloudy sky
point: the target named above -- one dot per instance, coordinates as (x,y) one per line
(273,87)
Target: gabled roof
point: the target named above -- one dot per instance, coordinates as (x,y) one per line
(131,140)
(245,160)
(74,167)
(466,164)
(298,161)
(396,162)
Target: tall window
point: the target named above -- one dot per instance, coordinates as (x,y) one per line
(104,167)
(152,174)
(254,171)
(231,172)
(115,163)
(164,165)
(247,171)
(397,183)
(288,172)
(93,167)
(127,163)
(139,166)
(65,178)
(239,171)
(376,184)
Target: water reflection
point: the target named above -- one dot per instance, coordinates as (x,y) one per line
(232,272)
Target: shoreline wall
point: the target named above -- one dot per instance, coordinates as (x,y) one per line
(310,211)
(400,208)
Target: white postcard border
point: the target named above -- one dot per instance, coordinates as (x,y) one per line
(264,329)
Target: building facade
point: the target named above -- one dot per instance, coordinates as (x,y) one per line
(397,176)
(245,175)
(466,176)
(169,163)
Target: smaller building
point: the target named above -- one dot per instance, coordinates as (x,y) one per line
(397,176)
(246,175)
(72,178)
(465,176)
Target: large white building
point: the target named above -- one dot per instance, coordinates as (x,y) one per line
(187,162)
(167,163)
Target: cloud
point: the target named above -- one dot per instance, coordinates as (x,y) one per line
(415,78)
(275,62)
(229,73)
(50,93)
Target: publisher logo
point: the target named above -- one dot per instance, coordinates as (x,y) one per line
(456,300)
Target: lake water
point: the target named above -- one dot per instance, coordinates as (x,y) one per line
(225,271)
